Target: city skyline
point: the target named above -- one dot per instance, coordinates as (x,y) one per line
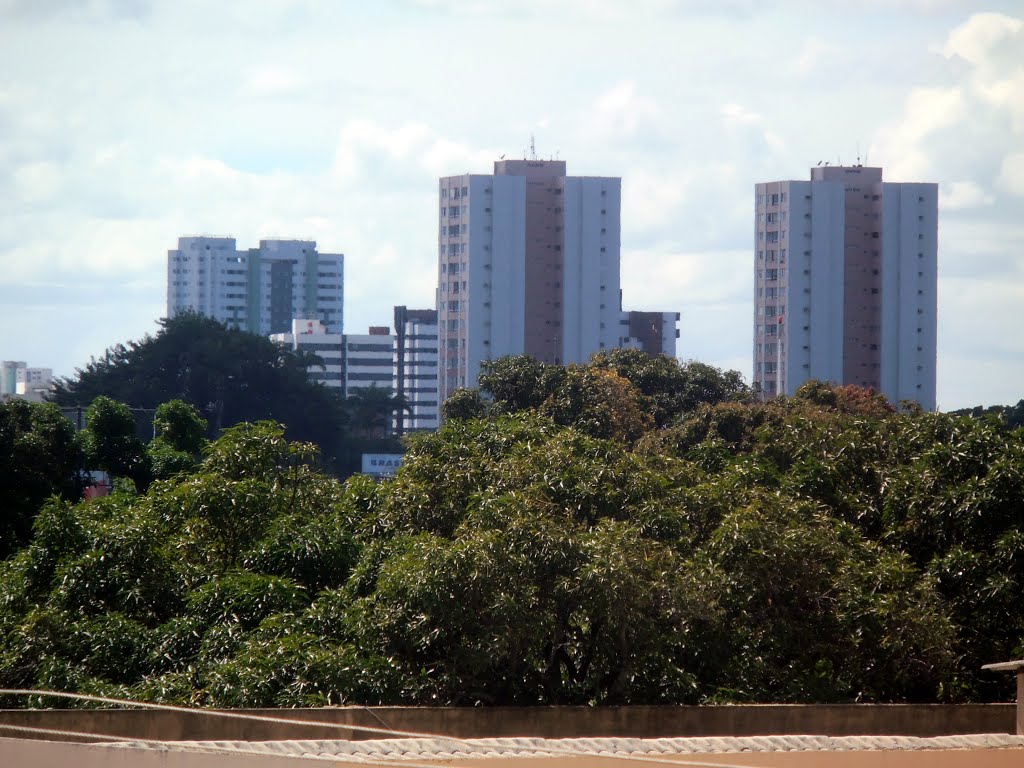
(125,124)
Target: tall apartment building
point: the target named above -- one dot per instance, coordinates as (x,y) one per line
(260,290)
(845,288)
(312,336)
(415,369)
(528,262)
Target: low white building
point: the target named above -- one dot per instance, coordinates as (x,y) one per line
(18,380)
(309,335)
(415,369)
(368,359)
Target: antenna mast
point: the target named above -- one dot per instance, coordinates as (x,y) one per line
(533,149)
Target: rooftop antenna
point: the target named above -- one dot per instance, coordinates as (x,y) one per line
(533,149)
(858,153)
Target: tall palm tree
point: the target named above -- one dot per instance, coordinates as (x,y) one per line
(372,409)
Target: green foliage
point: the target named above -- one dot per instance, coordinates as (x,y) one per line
(178,439)
(623,385)
(630,531)
(372,410)
(111,443)
(179,425)
(228,377)
(675,388)
(1008,416)
(39,458)
(464,404)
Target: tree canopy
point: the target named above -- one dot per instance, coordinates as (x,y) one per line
(229,376)
(567,540)
(39,458)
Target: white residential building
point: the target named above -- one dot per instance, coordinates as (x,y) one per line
(20,381)
(260,290)
(528,262)
(415,369)
(311,336)
(368,359)
(845,283)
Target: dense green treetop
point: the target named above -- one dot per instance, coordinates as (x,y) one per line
(229,376)
(39,457)
(628,531)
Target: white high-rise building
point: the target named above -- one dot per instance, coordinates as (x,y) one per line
(260,290)
(528,262)
(845,283)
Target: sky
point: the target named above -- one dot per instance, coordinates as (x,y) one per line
(125,124)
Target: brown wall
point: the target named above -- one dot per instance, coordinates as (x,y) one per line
(39,754)
(550,722)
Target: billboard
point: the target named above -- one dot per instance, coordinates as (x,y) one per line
(381,463)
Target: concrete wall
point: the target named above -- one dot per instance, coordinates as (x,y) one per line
(549,722)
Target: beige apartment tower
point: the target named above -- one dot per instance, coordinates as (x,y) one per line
(528,263)
(845,283)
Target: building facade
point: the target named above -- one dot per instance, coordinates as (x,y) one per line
(260,290)
(18,380)
(653,332)
(845,283)
(368,359)
(415,369)
(312,336)
(528,262)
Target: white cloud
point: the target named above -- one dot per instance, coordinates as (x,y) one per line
(444,157)
(275,81)
(899,146)
(622,111)
(1011,174)
(812,55)
(651,201)
(974,39)
(960,195)
(38,182)
(362,138)
(993,44)
(736,113)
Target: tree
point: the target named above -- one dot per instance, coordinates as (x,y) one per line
(518,382)
(598,402)
(153,594)
(179,425)
(464,404)
(826,547)
(39,457)
(111,443)
(179,438)
(372,410)
(812,611)
(671,388)
(675,388)
(229,376)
